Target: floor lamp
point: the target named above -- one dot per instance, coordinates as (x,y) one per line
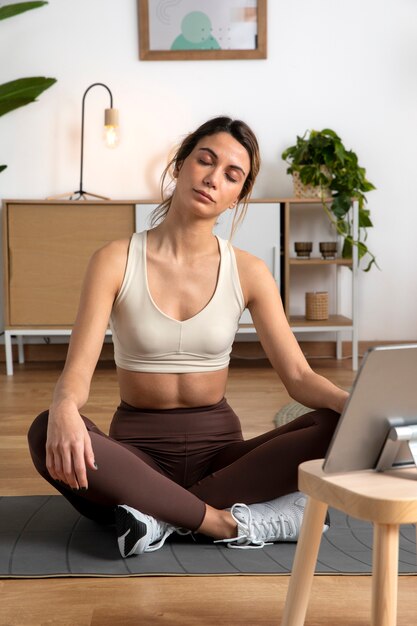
(111,137)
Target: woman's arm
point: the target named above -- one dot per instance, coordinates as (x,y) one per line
(68,446)
(278,341)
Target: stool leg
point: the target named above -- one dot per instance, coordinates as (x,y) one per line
(304,564)
(385,575)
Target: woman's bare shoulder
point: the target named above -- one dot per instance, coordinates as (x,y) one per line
(253,273)
(113,249)
(112,255)
(248,263)
(108,263)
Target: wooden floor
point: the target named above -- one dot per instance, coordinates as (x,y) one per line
(256,394)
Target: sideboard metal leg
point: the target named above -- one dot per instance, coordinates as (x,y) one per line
(9,353)
(20,348)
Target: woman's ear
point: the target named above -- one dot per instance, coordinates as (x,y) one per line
(176,170)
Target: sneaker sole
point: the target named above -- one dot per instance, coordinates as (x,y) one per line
(130,532)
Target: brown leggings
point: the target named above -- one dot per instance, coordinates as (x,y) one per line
(170,463)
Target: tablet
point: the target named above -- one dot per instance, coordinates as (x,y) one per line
(384,393)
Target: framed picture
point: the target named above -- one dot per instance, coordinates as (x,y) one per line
(188,30)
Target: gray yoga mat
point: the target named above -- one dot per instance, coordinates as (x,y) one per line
(43,536)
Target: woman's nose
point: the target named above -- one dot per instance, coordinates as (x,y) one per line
(210,180)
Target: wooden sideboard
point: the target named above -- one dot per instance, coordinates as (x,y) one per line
(46,248)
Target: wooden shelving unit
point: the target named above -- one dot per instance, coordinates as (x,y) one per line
(313,261)
(333,321)
(336,323)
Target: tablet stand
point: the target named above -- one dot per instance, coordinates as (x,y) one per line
(395,439)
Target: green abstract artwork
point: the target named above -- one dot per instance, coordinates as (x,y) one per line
(196,33)
(181,25)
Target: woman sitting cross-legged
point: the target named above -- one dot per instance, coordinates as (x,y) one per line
(174,458)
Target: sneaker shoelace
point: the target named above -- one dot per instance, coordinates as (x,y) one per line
(267,530)
(259,533)
(158,533)
(184,531)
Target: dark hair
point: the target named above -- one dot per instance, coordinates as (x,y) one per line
(239,131)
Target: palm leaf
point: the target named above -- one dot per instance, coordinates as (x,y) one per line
(9,10)
(18,93)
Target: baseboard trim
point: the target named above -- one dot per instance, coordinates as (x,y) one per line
(41,352)
(314,349)
(242,350)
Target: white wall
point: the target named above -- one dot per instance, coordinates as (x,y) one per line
(350,66)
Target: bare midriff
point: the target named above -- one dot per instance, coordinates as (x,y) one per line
(169,391)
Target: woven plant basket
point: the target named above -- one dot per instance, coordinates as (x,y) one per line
(308,191)
(317,305)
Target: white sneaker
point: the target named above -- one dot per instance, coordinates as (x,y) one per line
(266,522)
(138,533)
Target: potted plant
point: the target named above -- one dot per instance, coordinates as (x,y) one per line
(320,160)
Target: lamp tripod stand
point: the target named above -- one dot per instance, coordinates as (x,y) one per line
(111,123)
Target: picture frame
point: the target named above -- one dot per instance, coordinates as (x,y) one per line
(183,31)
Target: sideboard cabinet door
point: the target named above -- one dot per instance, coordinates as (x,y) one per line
(47,248)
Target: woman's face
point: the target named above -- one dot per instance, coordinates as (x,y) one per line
(211,178)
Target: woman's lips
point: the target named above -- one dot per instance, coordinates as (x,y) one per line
(204,194)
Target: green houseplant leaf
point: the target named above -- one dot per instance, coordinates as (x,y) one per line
(18,93)
(10,10)
(22,91)
(322,160)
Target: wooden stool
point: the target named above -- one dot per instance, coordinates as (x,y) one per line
(386,499)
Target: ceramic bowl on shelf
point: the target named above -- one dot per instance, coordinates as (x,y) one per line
(303,249)
(328,249)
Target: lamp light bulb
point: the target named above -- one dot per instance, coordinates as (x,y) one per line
(111,136)
(111,128)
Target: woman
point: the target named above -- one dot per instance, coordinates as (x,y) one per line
(175,458)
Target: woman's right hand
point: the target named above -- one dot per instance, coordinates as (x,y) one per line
(69,453)
(68,447)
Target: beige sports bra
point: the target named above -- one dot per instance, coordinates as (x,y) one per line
(147,340)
